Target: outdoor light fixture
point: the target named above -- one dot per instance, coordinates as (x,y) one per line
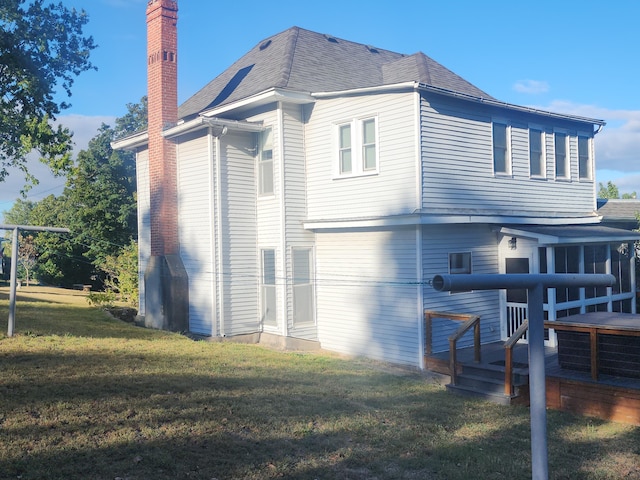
(513,243)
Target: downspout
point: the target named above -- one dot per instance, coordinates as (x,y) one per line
(218,241)
(212,222)
(283,224)
(419,229)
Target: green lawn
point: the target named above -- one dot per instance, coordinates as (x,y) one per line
(84,396)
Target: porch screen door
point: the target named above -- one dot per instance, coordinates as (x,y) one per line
(516,297)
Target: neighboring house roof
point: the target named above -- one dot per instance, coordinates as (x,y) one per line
(618,210)
(305,61)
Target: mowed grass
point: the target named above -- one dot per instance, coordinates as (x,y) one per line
(84,396)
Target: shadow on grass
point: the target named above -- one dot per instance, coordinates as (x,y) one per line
(151,415)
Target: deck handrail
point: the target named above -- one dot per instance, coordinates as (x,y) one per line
(508,356)
(469,321)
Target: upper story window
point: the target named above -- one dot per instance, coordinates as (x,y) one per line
(357,147)
(501,162)
(584,159)
(536,153)
(460,264)
(265,162)
(346,162)
(561,155)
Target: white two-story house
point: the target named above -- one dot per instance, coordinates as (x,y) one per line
(322,183)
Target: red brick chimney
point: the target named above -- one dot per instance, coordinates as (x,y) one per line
(165,278)
(162,93)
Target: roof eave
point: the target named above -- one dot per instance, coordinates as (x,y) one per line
(131,142)
(259,99)
(510,106)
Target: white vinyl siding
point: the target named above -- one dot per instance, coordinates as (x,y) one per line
(195,230)
(295,206)
(392,190)
(367,296)
(480,242)
(458,172)
(239,264)
(144,223)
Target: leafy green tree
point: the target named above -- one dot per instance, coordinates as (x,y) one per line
(61,259)
(42,51)
(101,189)
(121,273)
(19,213)
(609,190)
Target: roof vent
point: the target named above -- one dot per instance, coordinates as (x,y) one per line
(372,49)
(330,38)
(265,44)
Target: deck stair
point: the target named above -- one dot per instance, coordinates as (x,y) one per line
(486,380)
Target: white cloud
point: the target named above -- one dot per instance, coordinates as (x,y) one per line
(618,145)
(531,87)
(84,128)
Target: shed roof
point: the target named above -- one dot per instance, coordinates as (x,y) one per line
(571,234)
(305,61)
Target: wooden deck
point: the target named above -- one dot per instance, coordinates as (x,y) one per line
(609,397)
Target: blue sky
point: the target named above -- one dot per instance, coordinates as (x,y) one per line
(570,57)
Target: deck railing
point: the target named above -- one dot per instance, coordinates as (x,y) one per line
(508,356)
(469,322)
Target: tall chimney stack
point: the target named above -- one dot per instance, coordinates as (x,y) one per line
(166,282)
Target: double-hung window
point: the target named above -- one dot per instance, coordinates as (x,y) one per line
(265,162)
(346,154)
(584,159)
(536,153)
(357,148)
(302,286)
(268,288)
(561,154)
(460,264)
(500,149)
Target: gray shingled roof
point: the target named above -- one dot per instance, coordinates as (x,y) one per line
(617,209)
(305,61)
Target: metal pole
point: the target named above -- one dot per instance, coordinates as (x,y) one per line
(537,383)
(535,284)
(13,284)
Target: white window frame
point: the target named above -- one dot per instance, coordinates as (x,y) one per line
(507,153)
(265,163)
(543,162)
(567,155)
(268,291)
(589,166)
(304,284)
(466,269)
(357,148)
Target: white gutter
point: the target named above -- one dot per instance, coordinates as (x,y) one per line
(452,93)
(365,90)
(262,98)
(205,122)
(132,142)
(418,219)
(510,106)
